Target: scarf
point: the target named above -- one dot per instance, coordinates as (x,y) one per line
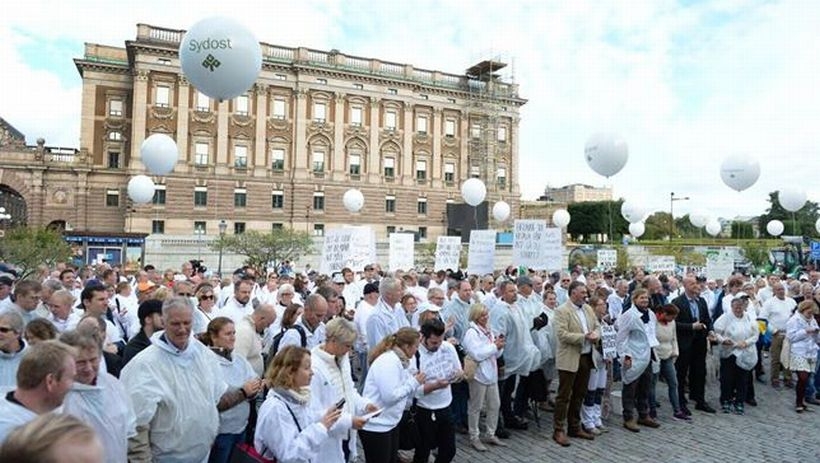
(300,396)
(405,361)
(644,314)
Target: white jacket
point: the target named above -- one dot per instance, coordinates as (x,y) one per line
(235,372)
(480,346)
(633,340)
(737,329)
(388,385)
(803,344)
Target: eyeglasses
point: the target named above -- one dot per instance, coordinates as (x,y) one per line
(286,294)
(184,294)
(207,297)
(6,329)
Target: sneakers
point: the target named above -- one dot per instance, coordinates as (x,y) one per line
(649,422)
(632,425)
(680,415)
(492,440)
(476,443)
(726,407)
(739,409)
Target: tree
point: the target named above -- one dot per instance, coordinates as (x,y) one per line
(267,249)
(657,226)
(685,229)
(28,247)
(589,219)
(742,230)
(804,219)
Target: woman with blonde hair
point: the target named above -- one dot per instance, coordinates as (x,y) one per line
(804,336)
(389,385)
(290,428)
(483,348)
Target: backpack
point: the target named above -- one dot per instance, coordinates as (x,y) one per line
(274,348)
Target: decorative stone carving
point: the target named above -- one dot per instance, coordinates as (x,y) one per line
(60,196)
(323,128)
(205,117)
(241,121)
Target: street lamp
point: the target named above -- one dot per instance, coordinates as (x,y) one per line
(672,200)
(223,225)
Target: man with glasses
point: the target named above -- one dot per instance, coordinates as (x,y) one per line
(12,347)
(26,300)
(562,290)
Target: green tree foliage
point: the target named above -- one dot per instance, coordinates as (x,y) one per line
(592,218)
(28,247)
(657,226)
(267,249)
(685,229)
(742,230)
(756,251)
(804,219)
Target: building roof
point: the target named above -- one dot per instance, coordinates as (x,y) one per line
(9,135)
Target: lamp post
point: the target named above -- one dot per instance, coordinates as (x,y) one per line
(223,225)
(672,200)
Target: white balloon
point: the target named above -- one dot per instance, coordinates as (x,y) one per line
(141,189)
(473,191)
(699,218)
(792,199)
(353,200)
(220,57)
(636,229)
(713,228)
(159,153)
(501,211)
(606,153)
(740,171)
(632,211)
(561,218)
(774,227)
(817,225)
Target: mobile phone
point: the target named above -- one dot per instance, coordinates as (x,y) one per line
(340,404)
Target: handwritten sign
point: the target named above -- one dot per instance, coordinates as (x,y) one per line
(661,264)
(607,258)
(719,264)
(528,240)
(481,256)
(401,251)
(352,247)
(608,343)
(448,252)
(552,250)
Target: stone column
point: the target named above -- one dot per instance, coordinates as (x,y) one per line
(260,163)
(374,151)
(408,169)
(435,158)
(512,167)
(299,160)
(139,111)
(222,138)
(183,102)
(337,151)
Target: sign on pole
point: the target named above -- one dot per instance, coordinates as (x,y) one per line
(481,256)
(352,247)
(448,252)
(401,251)
(607,258)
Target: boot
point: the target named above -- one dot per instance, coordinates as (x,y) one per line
(649,422)
(632,425)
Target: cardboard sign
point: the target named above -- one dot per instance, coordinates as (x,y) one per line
(607,258)
(401,255)
(448,252)
(481,256)
(352,247)
(608,343)
(660,264)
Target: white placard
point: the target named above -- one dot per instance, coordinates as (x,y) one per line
(719,264)
(401,251)
(448,252)
(528,241)
(481,255)
(608,342)
(352,247)
(661,264)
(553,250)
(607,258)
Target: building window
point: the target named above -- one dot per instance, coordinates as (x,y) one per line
(319,112)
(423,96)
(356,116)
(115,107)
(240,197)
(163,96)
(391,229)
(242,105)
(277,199)
(449,172)
(502,134)
(164,61)
(112,198)
(240,156)
(278,108)
(203,102)
(201,154)
(389,167)
(475,131)
(451,100)
(502,177)
(475,172)
(392,91)
(114,159)
(318,162)
(318,229)
(159,195)
(422,233)
(421,124)
(390,120)
(355,164)
(319,201)
(280,77)
(450,128)
(358,86)
(421,206)
(390,204)
(158,227)
(276,226)
(200,228)
(321,81)
(278,159)
(115,135)
(238,228)
(421,170)
(200,196)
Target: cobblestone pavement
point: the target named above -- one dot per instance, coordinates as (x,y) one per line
(770,432)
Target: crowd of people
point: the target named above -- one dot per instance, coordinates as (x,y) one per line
(183,366)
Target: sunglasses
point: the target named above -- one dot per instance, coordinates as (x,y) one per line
(206,297)
(6,329)
(185,294)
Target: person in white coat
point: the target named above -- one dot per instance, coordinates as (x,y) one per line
(634,340)
(804,336)
(390,386)
(99,399)
(53,437)
(332,382)
(291,427)
(737,334)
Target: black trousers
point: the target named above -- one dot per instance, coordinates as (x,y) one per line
(505,392)
(380,446)
(435,431)
(691,369)
(733,381)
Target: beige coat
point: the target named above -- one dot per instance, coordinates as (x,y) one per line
(570,335)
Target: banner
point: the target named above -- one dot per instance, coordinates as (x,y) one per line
(528,238)
(401,253)
(481,255)
(607,259)
(719,264)
(552,250)
(352,247)
(660,264)
(448,252)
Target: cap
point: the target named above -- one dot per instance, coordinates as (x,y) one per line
(524,280)
(338,279)
(371,288)
(429,308)
(151,306)
(6,280)
(742,297)
(146,286)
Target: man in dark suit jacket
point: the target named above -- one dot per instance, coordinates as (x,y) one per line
(693,326)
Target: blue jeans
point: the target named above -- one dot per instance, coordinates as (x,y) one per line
(223,447)
(671,376)
(813,386)
(362,356)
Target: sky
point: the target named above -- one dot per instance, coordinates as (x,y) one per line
(686,83)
